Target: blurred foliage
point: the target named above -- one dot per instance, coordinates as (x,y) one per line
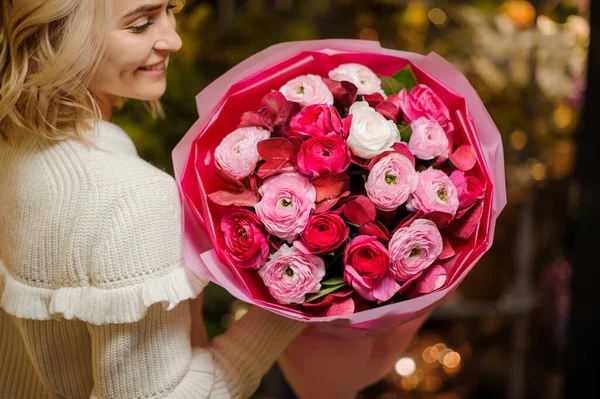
(526,60)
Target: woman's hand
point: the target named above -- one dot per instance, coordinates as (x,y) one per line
(319,365)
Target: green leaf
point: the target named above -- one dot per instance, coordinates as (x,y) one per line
(406,77)
(390,85)
(427,162)
(405,132)
(448,164)
(333,281)
(324,291)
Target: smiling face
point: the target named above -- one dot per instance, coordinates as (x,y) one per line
(139,43)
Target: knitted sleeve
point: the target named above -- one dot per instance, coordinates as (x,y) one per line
(153,358)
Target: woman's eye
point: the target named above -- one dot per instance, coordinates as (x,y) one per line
(140,28)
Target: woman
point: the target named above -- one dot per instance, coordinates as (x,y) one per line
(94,298)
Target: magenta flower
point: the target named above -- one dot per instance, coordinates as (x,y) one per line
(366,268)
(316,120)
(245,238)
(323,156)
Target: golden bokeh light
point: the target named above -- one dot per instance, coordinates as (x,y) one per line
(538,171)
(437,16)
(521,12)
(451,360)
(518,139)
(563,116)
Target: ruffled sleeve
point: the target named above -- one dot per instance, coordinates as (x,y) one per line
(134,260)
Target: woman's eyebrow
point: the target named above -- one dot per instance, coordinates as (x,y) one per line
(143,9)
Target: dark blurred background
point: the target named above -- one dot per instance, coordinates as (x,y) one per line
(503,333)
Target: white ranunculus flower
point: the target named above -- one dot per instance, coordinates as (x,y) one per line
(361,76)
(370,133)
(307,90)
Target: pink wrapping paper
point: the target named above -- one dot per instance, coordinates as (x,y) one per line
(220,106)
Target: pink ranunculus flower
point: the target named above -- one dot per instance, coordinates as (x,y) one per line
(285,205)
(323,155)
(422,101)
(469,188)
(391,181)
(365,80)
(245,238)
(307,90)
(370,132)
(290,274)
(414,248)
(323,233)
(435,193)
(317,120)
(237,153)
(428,140)
(366,268)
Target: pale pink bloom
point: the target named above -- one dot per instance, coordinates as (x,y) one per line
(365,80)
(435,193)
(307,90)
(414,248)
(237,153)
(391,181)
(290,274)
(428,140)
(285,205)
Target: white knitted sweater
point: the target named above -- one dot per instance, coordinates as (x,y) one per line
(93,295)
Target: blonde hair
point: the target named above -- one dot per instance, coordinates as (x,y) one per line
(50,51)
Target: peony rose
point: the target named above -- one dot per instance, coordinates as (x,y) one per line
(422,101)
(317,120)
(366,268)
(468,188)
(323,233)
(323,155)
(365,80)
(285,204)
(291,274)
(435,193)
(245,238)
(237,153)
(428,140)
(307,90)
(414,248)
(391,181)
(370,132)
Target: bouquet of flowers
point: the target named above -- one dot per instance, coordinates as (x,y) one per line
(336,180)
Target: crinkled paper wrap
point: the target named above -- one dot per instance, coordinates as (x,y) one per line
(220,106)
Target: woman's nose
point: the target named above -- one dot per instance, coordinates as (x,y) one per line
(168,38)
